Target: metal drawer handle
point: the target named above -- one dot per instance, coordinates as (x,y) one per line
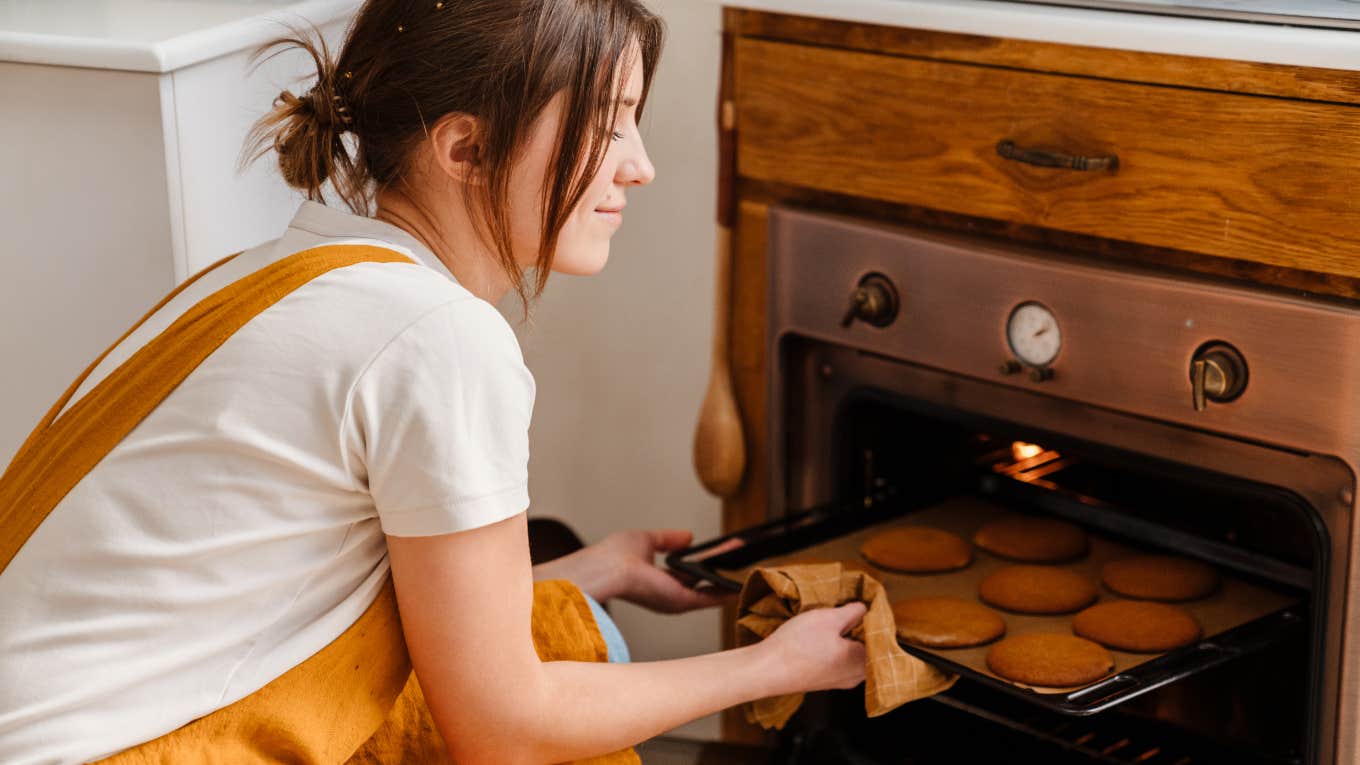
(1042,158)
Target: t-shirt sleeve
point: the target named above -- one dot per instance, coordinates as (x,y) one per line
(440,423)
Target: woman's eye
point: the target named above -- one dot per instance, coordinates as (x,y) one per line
(618,135)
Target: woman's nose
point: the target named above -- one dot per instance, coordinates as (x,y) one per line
(636,169)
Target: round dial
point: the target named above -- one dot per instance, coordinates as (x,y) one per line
(1033,333)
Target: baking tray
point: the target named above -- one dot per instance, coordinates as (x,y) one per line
(1240,618)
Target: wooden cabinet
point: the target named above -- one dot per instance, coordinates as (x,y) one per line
(1230,175)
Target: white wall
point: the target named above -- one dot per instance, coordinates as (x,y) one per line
(87,245)
(621,358)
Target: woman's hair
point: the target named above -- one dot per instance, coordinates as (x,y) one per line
(407,63)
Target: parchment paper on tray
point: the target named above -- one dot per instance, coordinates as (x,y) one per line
(1236,602)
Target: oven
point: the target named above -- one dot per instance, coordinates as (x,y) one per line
(1163,412)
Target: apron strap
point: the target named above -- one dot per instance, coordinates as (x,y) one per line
(65,447)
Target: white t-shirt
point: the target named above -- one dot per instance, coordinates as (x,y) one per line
(239,528)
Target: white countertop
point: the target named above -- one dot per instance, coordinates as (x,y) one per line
(1155,33)
(148,35)
(164,35)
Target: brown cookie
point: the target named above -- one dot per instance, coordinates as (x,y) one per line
(1037,590)
(946,622)
(917,550)
(1033,540)
(1050,660)
(1160,577)
(1136,625)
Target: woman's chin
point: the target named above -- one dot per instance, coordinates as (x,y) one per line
(581,263)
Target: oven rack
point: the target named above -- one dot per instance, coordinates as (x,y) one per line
(1019,489)
(795,532)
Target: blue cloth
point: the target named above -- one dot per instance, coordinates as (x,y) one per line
(613,639)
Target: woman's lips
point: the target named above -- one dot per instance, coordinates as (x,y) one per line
(612,214)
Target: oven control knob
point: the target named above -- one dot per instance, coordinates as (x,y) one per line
(874,301)
(1218,373)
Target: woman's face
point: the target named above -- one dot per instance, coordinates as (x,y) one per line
(583,245)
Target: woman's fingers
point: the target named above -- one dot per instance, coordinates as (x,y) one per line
(679,597)
(720,548)
(659,591)
(653,587)
(694,600)
(712,596)
(850,615)
(667,540)
(688,580)
(814,651)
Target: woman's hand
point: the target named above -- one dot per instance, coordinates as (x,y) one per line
(622,565)
(642,583)
(811,653)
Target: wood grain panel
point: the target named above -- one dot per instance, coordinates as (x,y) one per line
(749,362)
(1244,177)
(749,370)
(1312,83)
(1065,243)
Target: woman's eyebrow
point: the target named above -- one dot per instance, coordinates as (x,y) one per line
(626,101)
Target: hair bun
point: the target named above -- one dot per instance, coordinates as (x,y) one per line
(305,131)
(327,106)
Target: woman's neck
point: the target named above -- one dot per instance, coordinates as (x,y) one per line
(453,240)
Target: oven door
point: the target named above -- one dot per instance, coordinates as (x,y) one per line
(865,437)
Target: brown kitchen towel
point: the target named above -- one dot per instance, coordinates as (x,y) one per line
(773,595)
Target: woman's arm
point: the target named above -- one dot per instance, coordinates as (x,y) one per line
(466,600)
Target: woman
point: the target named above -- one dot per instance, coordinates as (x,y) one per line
(374,419)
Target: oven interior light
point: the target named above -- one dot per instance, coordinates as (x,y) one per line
(1021,450)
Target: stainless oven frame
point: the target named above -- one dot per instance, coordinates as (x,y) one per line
(1120,380)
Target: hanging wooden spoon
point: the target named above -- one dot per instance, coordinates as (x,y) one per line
(719,448)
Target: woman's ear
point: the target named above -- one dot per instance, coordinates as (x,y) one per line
(456,141)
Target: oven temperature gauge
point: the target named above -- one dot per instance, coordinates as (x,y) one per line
(1033,333)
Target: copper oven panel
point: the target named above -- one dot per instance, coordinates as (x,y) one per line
(1128,336)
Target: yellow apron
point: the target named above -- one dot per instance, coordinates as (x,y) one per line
(356,700)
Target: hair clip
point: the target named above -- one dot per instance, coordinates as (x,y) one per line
(341,110)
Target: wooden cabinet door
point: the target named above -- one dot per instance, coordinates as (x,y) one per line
(1255,178)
